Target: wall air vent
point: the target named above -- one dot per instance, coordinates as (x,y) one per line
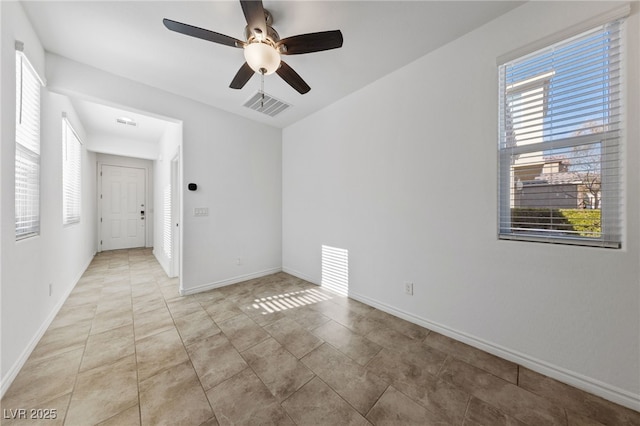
(126,120)
(269,106)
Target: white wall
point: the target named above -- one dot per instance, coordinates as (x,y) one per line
(107,144)
(169,148)
(2,189)
(147,165)
(235,162)
(403,174)
(60,254)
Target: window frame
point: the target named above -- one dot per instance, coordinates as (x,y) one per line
(27,148)
(610,212)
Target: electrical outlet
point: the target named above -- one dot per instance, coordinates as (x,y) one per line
(238,261)
(50,289)
(408,288)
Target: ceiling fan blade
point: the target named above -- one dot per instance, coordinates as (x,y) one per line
(254,14)
(201,33)
(292,78)
(242,76)
(312,42)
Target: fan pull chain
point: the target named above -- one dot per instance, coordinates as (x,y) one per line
(262,90)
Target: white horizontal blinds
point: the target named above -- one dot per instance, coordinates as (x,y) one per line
(560,124)
(71,152)
(27,161)
(166,227)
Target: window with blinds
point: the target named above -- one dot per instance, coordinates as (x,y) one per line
(27,161)
(560,125)
(166,225)
(71,152)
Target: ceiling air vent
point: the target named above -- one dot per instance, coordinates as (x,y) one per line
(269,106)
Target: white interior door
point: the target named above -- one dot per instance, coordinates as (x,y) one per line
(123,207)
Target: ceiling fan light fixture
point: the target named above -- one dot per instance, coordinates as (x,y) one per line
(263,45)
(262,56)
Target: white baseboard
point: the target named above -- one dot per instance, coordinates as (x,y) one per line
(228,281)
(596,387)
(8,379)
(299,275)
(162,260)
(588,384)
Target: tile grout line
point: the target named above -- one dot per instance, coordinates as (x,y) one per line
(296,391)
(335,390)
(378,399)
(548,401)
(340,350)
(466,410)
(347,402)
(444,362)
(135,352)
(265,385)
(373,357)
(84,349)
(184,345)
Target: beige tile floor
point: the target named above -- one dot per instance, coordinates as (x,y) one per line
(126,349)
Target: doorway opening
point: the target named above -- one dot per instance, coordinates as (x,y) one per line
(130,139)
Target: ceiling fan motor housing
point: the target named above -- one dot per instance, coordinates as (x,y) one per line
(272,35)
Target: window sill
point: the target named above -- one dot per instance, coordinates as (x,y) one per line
(561,240)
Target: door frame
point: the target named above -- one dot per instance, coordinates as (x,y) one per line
(148,196)
(176,218)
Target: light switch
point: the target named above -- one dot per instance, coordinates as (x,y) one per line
(201,211)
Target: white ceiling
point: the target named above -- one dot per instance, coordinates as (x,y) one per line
(128,38)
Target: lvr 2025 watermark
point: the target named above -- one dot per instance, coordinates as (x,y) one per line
(32,413)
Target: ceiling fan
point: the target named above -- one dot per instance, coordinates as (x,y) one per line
(263,46)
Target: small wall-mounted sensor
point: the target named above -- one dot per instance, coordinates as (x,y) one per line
(192,187)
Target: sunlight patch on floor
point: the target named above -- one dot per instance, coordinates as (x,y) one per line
(291,300)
